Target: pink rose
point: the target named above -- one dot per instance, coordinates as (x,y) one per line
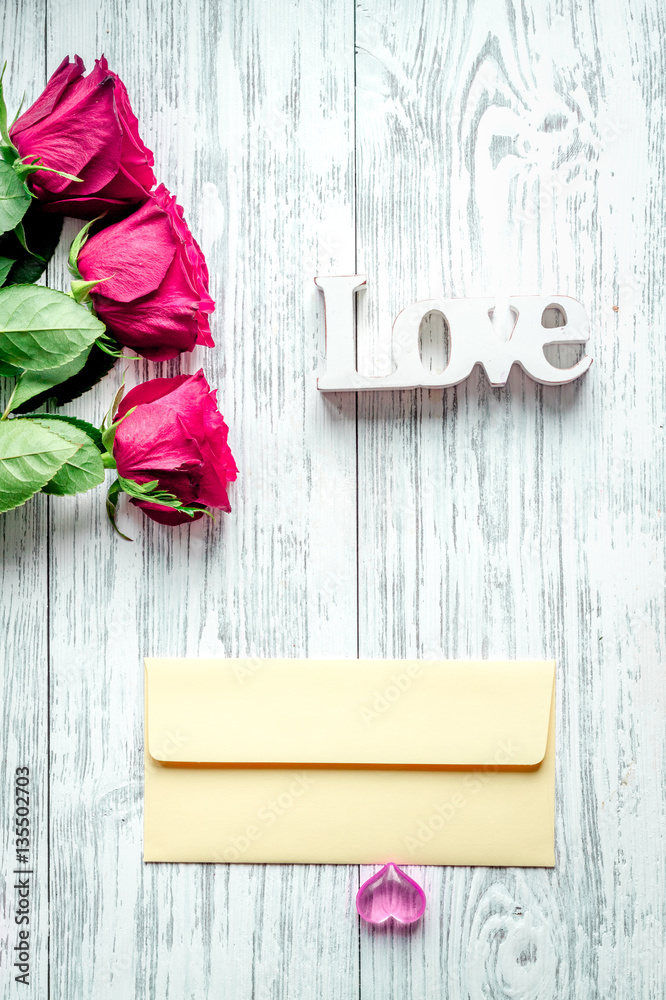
(84,125)
(176,435)
(154,298)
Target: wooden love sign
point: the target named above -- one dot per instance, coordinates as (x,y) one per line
(472,340)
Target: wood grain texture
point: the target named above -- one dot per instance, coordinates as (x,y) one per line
(487,149)
(24,619)
(498,149)
(249,111)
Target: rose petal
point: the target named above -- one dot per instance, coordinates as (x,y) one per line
(84,125)
(136,159)
(153,437)
(81,139)
(165,515)
(88,208)
(133,255)
(148,392)
(177,436)
(183,483)
(65,75)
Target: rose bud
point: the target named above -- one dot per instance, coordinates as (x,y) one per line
(84,126)
(177,436)
(154,294)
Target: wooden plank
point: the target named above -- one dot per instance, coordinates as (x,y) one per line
(498,152)
(23,624)
(506,149)
(249,110)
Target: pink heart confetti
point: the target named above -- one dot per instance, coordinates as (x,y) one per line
(390,895)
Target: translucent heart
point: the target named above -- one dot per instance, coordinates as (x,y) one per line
(390,895)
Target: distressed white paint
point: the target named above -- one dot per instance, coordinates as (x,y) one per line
(24,625)
(472,336)
(497,147)
(506,147)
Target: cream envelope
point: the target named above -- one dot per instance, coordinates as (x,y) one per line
(350,761)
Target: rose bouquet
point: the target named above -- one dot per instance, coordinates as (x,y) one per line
(139,280)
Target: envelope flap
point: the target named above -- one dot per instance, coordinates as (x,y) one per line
(401,713)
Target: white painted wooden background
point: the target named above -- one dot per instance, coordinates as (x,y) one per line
(446,147)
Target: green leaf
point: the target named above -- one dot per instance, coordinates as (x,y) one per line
(117,400)
(151,492)
(41,328)
(14,198)
(30,165)
(16,116)
(112,507)
(78,243)
(19,233)
(96,367)
(80,289)
(42,234)
(30,456)
(93,432)
(81,471)
(4,131)
(9,370)
(6,264)
(109,433)
(32,384)
(110,345)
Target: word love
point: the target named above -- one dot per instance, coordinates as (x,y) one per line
(472,340)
